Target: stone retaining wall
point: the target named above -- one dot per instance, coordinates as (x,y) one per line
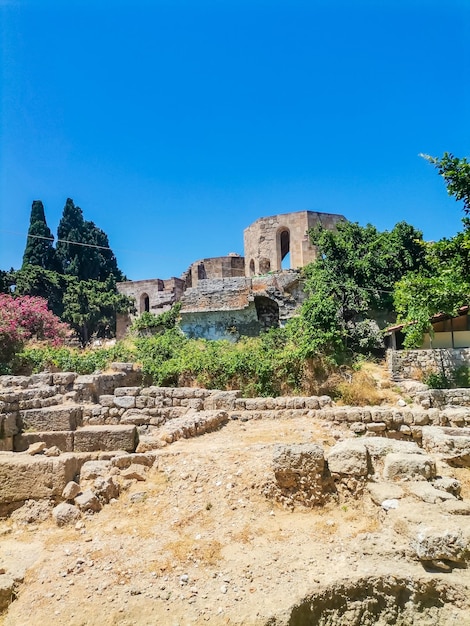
(65,409)
(416,364)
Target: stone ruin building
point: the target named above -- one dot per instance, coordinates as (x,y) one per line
(229,296)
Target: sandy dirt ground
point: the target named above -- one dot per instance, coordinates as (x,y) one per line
(198,543)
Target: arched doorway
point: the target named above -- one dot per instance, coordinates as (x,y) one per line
(144,303)
(252,267)
(284,249)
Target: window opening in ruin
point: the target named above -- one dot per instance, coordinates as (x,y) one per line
(267,311)
(144,303)
(252,267)
(284,245)
(201,271)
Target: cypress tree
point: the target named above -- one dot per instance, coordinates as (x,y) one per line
(39,249)
(94,261)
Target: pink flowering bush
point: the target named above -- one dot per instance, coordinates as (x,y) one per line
(27,317)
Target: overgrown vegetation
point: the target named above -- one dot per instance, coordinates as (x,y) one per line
(362,279)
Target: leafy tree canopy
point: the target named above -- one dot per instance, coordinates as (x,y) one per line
(442,284)
(353,278)
(90,307)
(456,173)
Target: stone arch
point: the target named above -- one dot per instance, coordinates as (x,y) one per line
(283,244)
(264,265)
(252,267)
(144,303)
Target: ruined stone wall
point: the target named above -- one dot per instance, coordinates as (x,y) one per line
(417,364)
(269,239)
(229,266)
(154,295)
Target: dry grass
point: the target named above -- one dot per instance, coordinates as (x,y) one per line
(365,389)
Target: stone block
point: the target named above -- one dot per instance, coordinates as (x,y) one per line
(62,439)
(124,402)
(91,438)
(127,391)
(24,477)
(400,466)
(61,417)
(348,457)
(92,469)
(298,471)
(8,425)
(106,400)
(379,492)
(452,444)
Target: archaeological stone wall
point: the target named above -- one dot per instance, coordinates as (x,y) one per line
(417,364)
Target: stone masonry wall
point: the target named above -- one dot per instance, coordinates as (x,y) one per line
(416,364)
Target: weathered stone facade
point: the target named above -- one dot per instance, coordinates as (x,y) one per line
(218,301)
(270,239)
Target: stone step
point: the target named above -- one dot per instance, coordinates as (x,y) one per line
(62,417)
(62,439)
(105,438)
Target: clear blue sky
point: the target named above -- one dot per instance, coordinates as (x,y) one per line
(174,124)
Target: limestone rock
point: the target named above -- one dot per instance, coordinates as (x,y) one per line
(135,472)
(298,471)
(36,448)
(379,492)
(399,466)
(453,444)
(32,511)
(106,488)
(125,460)
(93,469)
(71,490)
(192,425)
(456,507)
(348,457)
(52,451)
(451,485)
(88,501)
(65,513)
(427,493)
(61,417)
(436,544)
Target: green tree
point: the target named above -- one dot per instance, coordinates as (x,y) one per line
(89,257)
(456,173)
(441,285)
(90,307)
(34,280)
(39,249)
(351,282)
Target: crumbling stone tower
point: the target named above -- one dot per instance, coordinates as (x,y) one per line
(270,239)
